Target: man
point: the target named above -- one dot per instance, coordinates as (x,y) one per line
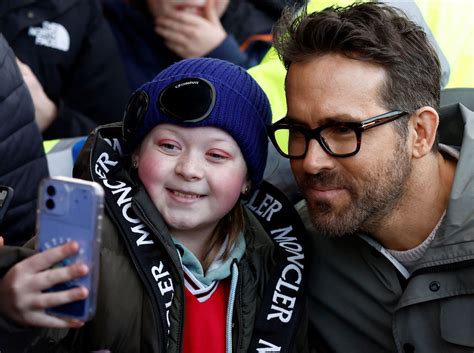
(390,212)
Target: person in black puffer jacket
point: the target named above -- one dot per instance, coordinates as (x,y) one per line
(23,163)
(69,61)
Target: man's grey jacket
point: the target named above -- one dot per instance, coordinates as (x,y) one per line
(358,302)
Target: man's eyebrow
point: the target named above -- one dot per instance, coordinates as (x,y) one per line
(290,120)
(325,121)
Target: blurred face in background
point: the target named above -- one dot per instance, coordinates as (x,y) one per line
(159,7)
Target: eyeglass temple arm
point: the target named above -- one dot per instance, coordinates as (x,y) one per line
(379,120)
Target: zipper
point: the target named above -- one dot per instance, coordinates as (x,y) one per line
(230,305)
(378,247)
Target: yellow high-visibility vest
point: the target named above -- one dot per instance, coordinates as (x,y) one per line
(455,42)
(451,23)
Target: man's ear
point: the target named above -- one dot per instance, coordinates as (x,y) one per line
(424,123)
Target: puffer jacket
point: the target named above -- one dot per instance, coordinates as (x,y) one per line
(125,319)
(23,163)
(69,47)
(358,302)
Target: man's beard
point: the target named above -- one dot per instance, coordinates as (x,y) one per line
(381,191)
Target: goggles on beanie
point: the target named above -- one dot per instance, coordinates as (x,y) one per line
(198,94)
(204,92)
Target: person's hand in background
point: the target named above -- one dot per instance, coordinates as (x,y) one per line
(192,33)
(45,109)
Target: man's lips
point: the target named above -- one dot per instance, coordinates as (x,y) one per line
(325,187)
(324,191)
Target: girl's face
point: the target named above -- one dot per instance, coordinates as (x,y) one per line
(194,176)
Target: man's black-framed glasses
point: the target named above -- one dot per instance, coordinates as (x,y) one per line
(337,139)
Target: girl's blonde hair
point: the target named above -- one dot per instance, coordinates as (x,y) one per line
(229,226)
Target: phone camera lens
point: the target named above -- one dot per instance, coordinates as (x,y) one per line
(49,204)
(51,190)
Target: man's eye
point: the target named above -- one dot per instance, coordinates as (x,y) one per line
(340,130)
(296,134)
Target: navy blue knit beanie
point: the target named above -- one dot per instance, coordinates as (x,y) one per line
(239,106)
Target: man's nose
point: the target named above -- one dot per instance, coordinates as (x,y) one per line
(317,159)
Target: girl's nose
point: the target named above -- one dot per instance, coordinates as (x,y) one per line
(189,168)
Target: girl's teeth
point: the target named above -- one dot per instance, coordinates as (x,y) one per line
(188,196)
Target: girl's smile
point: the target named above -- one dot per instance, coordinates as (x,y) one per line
(194,176)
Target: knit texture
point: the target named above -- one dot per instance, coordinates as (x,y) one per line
(241,107)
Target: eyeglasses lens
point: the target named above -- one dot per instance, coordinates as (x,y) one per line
(291,142)
(339,140)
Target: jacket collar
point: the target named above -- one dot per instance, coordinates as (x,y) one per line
(454,241)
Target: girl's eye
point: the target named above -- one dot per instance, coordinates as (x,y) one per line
(168,146)
(218,155)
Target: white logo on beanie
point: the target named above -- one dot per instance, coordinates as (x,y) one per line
(51,35)
(186,84)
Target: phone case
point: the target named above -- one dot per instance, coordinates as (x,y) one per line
(71,209)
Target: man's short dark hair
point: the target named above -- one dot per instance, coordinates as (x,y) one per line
(372,32)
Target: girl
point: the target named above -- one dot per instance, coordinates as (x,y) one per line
(183,266)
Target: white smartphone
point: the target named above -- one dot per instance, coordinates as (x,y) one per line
(72,209)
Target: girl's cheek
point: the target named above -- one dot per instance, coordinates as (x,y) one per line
(233,188)
(146,172)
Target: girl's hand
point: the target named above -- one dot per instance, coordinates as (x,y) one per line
(22,299)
